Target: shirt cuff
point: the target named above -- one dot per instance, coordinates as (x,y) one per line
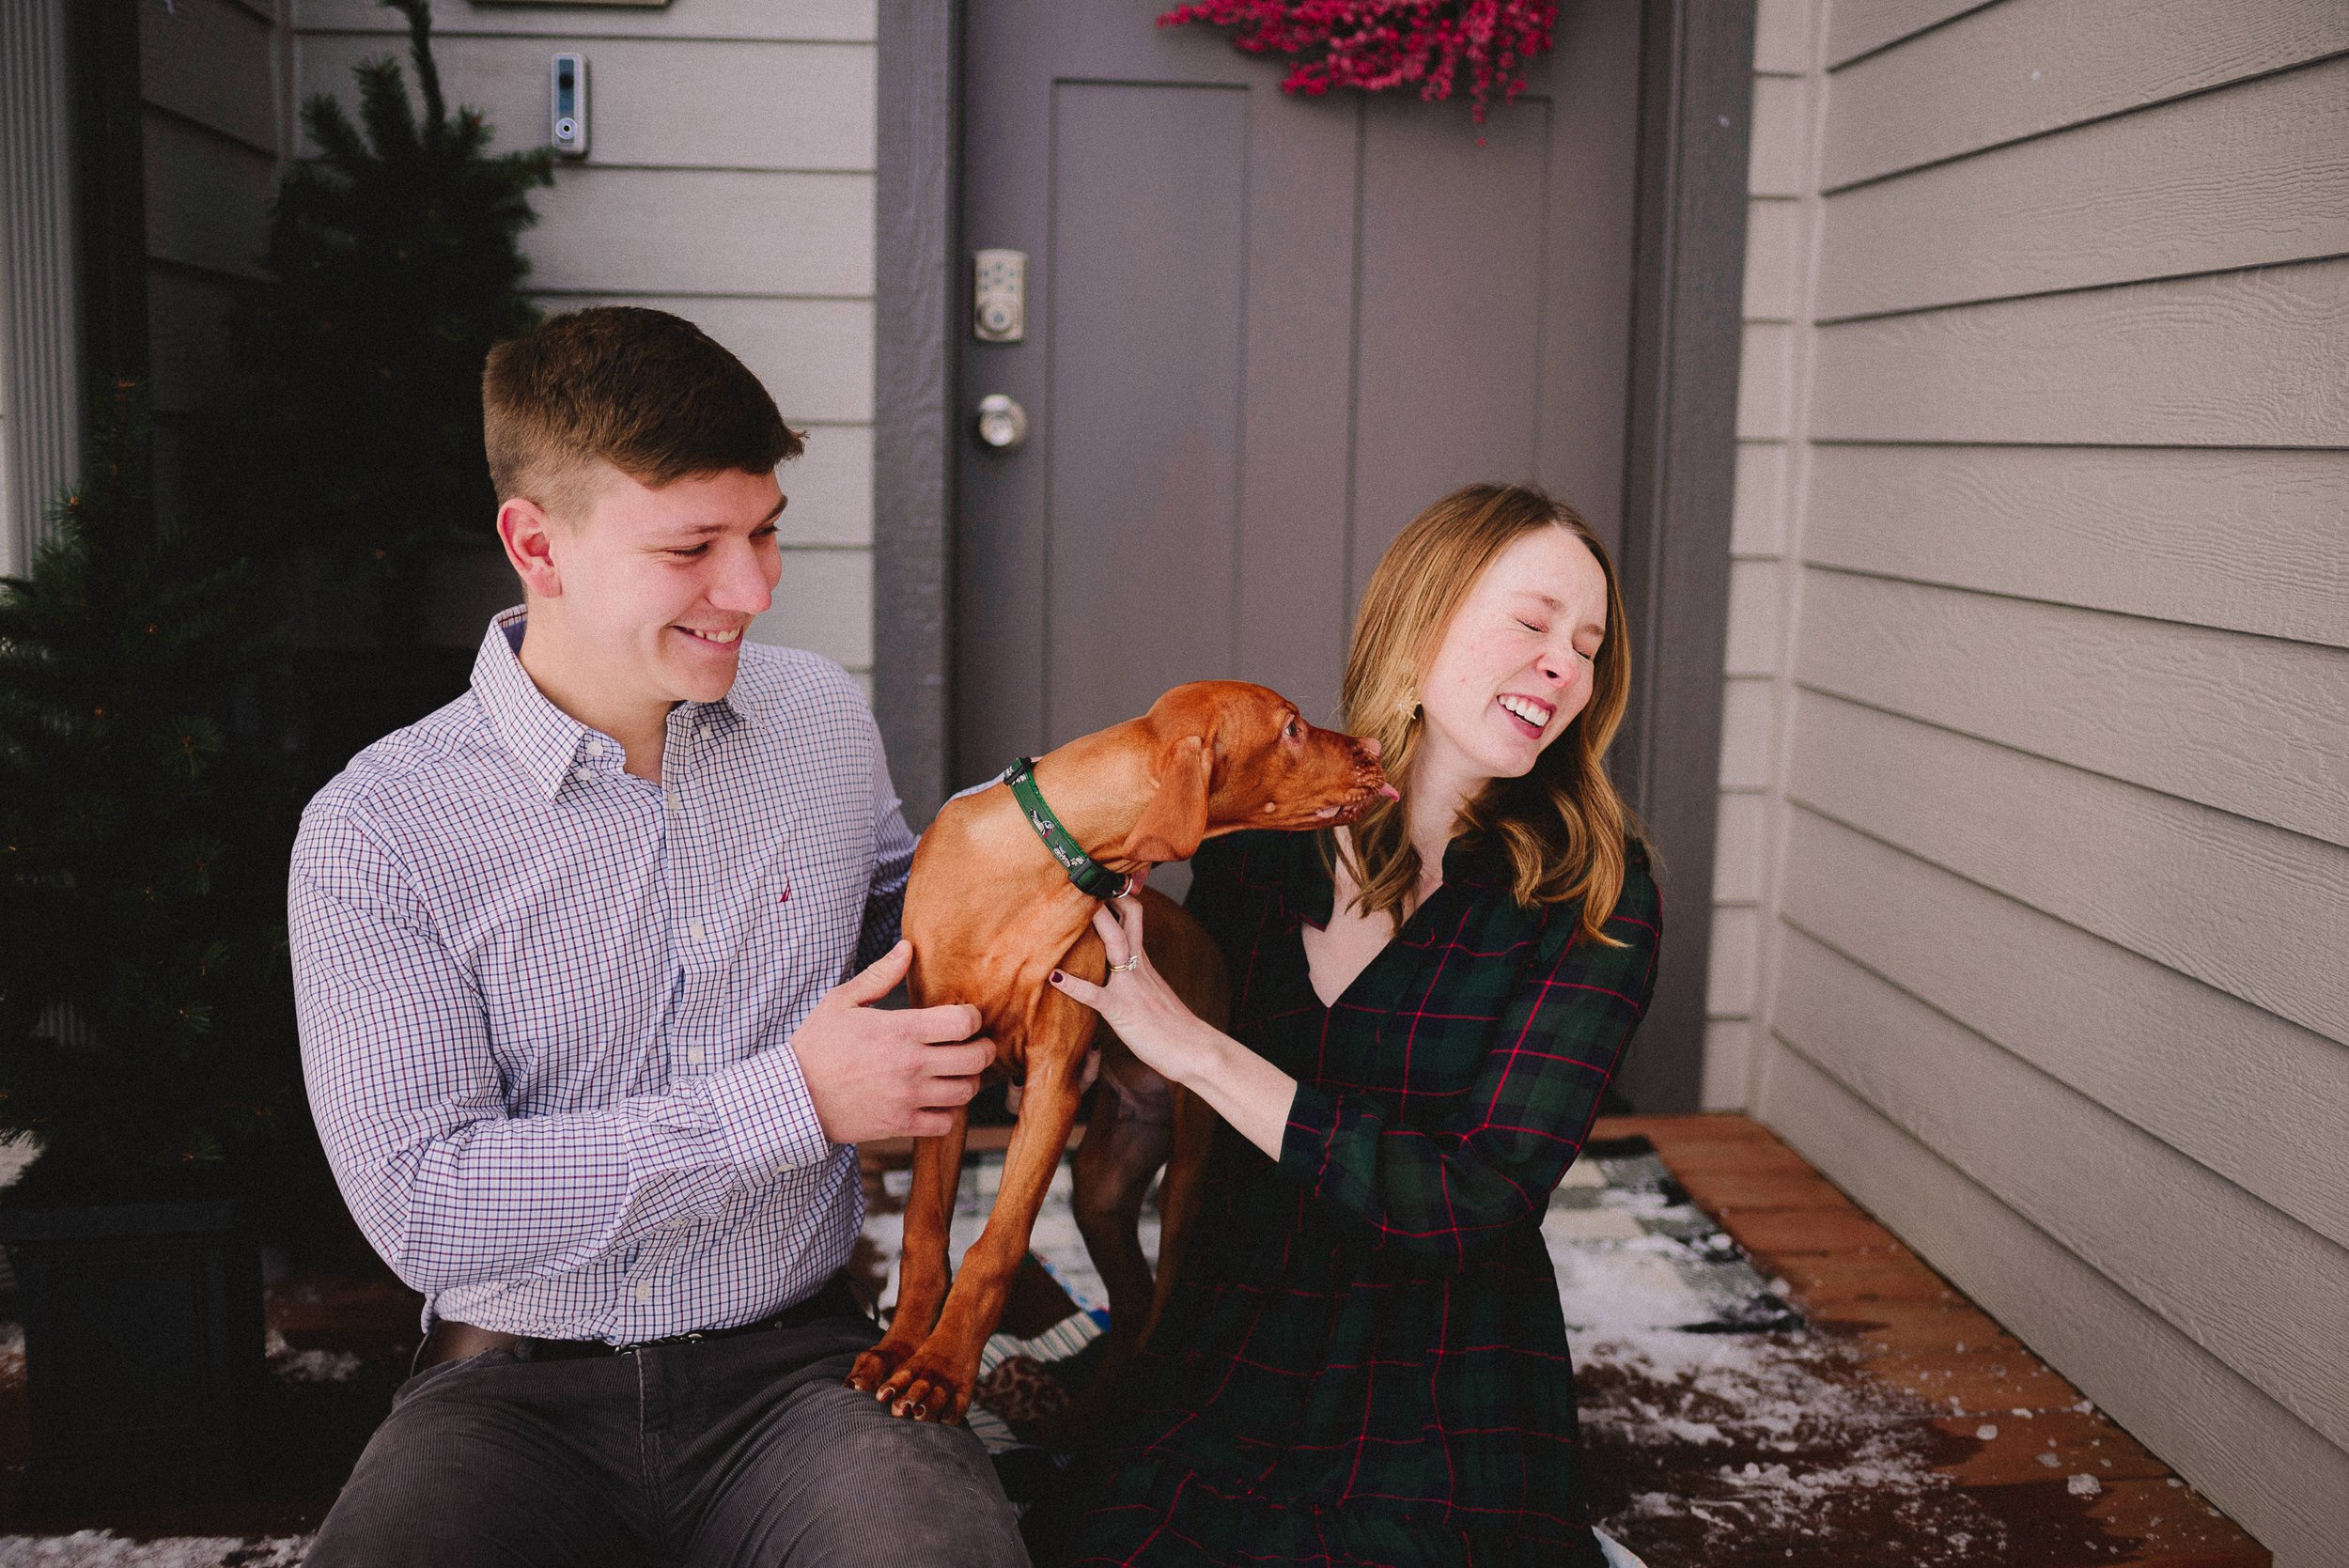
(1305,1145)
(767,1115)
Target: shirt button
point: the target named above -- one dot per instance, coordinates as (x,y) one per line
(595,748)
(694,1055)
(583,774)
(671,796)
(698,932)
(701,732)
(644,1291)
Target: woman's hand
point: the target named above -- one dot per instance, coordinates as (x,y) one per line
(1137,1002)
(1249,1092)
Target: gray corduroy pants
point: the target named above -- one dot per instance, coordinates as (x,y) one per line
(717,1454)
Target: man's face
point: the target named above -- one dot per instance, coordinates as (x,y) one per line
(658,584)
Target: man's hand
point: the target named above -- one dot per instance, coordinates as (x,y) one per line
(887,1074)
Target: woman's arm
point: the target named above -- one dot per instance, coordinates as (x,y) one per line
(1429,1195)
(1245,1090)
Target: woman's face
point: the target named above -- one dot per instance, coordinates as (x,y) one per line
(1514,667)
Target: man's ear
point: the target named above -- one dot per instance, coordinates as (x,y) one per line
(528,535)
(1176,819)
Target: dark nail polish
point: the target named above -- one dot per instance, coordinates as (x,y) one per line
(1056,977)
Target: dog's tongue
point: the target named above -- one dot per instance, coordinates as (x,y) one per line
(1389,792)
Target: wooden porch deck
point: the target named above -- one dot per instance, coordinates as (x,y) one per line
(1944,1362)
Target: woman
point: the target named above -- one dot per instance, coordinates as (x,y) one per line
(1366,1361)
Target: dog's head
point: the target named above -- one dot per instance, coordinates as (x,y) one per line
(1230,755)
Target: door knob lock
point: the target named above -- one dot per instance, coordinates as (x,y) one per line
(1002,423)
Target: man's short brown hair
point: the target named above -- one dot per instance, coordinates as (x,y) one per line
(649,393)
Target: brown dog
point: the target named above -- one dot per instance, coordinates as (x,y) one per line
(990,914)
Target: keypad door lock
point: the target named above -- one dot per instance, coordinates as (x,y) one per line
(999,299)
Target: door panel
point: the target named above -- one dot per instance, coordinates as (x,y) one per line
(1451,334)
(1149,189)
(1262,332)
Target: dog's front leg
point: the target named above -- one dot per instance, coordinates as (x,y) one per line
(936,1384)
(923,1269)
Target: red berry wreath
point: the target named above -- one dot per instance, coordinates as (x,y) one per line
(1378,44)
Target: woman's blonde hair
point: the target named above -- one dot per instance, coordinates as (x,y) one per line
(1565,828)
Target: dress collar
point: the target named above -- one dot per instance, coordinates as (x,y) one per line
(1470,861)
(545,741)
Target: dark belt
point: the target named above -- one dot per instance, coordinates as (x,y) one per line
(451,1341)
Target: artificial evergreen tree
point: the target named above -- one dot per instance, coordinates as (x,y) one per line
(393,267)
(147,1032)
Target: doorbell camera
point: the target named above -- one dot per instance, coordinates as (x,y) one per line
(567,120)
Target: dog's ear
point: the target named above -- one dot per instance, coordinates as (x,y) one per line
(1172,825)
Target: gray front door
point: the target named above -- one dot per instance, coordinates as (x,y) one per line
(1261,333)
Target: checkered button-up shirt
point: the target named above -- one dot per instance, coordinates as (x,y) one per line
(546,1005)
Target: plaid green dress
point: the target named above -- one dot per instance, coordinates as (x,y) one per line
(1365,1363)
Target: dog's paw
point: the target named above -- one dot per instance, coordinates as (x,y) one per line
(875,1367)
(934,1386)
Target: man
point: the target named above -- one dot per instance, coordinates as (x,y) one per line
(586,963)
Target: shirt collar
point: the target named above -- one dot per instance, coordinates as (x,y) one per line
(545,740)
(1470,861)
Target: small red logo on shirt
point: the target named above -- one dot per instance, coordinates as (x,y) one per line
(787,895)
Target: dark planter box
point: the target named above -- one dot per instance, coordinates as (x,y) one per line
(142,1347)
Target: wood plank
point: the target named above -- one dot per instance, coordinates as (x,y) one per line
(1674,1135)
(2283,1480)
(1733,961)
(2253,726)
(2021,1449)
(1909,1327)
(1764,371)
(213,62)
(754,105)
(830,489)
(1728,1057)
(2254,911)
(1774,278)
(2250,541)
(208,199)
(1854,29)
(2256,1099)
(1782,36)
(824,603)
(1732,1197)
(1778,156)
(1756,641)
(2263,1294)
(1976,1384)
(2243,359)
(1741,849)
(604,231)
(1749,733)
(818,19)
(2248,177)
(815,356)
(2176,1529)
(1758,527)
(2029,66)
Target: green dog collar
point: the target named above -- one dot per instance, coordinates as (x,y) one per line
(1093,878)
